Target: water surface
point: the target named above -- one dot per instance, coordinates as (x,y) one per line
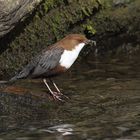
(104,104)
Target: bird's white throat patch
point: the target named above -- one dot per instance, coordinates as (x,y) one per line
(69,57)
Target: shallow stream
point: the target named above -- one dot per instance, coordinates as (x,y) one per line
(104,104)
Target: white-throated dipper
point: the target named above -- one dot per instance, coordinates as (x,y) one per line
(54,60)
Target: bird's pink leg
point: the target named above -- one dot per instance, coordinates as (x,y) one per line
(55,86)
(55,96)
(58,90)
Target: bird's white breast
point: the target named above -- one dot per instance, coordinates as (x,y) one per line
(68,57)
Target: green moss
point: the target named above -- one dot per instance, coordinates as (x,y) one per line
(85,11)
(89,27)
(116,20)
(47,5)
(54,19)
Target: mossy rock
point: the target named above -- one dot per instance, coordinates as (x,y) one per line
(54,19)
(50,22)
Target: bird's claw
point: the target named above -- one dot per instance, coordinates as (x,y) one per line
(58,95)
(61,94)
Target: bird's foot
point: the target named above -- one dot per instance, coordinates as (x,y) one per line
(58,96)
(65,96)
(62,95)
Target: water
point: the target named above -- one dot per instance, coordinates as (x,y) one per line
(104,104)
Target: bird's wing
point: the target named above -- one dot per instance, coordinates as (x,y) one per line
(47,61)
(40,64)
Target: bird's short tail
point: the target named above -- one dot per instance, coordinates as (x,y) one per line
(12,80)
(23,74)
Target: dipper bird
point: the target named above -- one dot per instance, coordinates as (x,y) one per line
(54,60)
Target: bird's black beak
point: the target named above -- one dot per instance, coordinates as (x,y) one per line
(91,42)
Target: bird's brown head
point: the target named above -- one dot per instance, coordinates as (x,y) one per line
(73,40)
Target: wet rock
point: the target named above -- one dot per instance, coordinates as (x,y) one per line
(116,28)
(24,103)
(121,2)
(11,12)
(51,21)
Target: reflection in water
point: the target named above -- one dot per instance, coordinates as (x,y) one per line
(104,104)
(65,129)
